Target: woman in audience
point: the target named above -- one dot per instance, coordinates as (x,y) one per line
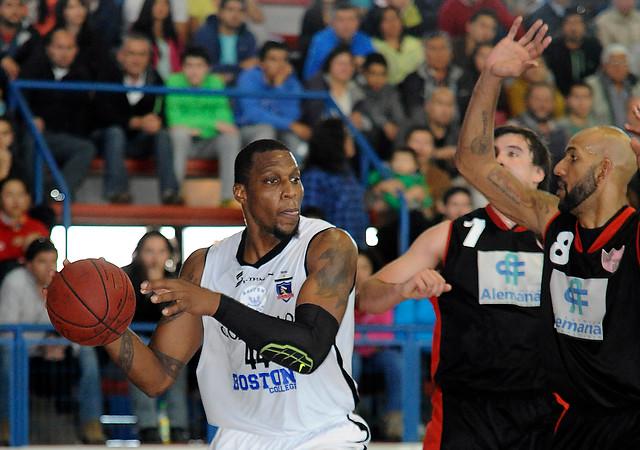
(403,53)
(336,77)
(331,189)
(155,22)
(73,16)
(153,258)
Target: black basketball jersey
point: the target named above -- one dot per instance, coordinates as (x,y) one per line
(485,336)
(591,295)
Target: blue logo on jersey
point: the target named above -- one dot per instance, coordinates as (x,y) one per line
(283,290)
(275,381)
(510,268)
(574,296)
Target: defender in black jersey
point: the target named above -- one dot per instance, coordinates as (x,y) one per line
(591,274)
(490,390)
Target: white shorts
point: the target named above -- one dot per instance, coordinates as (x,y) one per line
(353,434)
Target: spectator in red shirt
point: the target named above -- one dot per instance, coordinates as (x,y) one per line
(454,15)
(17,228)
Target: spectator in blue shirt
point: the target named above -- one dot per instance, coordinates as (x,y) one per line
(271,118)
(343,30)
(331,189)
(228,41)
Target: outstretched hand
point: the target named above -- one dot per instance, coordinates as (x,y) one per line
(424,284)
(186,297)
(511,58)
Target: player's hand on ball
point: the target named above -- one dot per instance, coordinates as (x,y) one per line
(186,297)
(426,283)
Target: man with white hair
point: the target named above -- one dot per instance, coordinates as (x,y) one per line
(619,23)
(612,86)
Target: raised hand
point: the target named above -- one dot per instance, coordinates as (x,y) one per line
(511,58)
(633,116)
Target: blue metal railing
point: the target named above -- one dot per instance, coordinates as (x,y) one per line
(17,347)
(17,101)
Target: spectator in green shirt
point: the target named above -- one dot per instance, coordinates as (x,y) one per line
(201,126)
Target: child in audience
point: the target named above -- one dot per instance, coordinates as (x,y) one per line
(406,178)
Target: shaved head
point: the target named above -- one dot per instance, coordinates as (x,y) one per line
(611,143)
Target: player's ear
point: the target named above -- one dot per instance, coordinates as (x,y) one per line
(240,193)
(538,175)
(602,170)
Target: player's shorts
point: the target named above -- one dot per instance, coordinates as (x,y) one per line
(599,429)
(350,434)
(514,421)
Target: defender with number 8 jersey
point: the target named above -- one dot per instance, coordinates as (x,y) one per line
(590,282)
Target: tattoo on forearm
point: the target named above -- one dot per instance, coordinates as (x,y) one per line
(171,366)
(125,358)
(504,181)
(546,203)
(481,145)
(333,278)
(485,121)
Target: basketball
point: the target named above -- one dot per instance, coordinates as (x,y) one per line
(91,302)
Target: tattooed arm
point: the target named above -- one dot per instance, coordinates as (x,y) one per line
(475,156)
(154,368)
(331,265)
(301,345)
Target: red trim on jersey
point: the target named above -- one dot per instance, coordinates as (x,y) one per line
(638,244)
(495,217)
(564,405)
(446,248)
(546,228)
(491,211)
(433,435)
(437,335)
(607,233)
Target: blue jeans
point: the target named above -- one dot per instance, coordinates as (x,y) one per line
(89,386)
(73,154)
(117,146)
(387,361)
(4,382)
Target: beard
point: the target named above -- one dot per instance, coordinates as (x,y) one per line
(283,235)
(579,193)
(278,232)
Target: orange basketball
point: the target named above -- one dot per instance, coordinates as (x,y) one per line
(91,302)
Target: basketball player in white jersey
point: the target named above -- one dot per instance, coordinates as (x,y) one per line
(272,307)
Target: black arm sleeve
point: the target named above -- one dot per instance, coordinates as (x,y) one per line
(300,346)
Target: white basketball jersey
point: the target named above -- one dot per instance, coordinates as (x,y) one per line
(242,391)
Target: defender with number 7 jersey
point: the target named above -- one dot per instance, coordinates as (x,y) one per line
(488,322)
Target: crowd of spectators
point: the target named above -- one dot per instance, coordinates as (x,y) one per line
(401,71)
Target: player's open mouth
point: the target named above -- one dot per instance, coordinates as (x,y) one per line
(562,187)
(290,212)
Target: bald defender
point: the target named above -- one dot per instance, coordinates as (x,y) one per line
(590,297)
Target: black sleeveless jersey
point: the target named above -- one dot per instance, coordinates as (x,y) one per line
(591,295)
(485,335)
